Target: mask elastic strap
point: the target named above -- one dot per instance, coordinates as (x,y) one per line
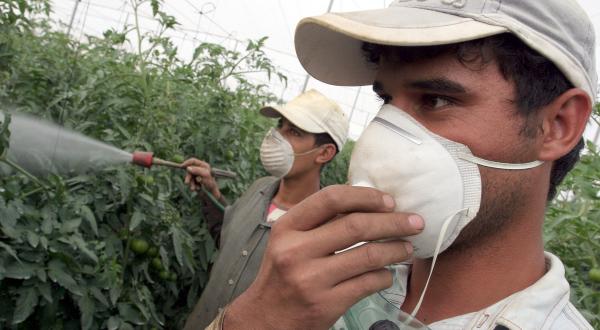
(308,152)
(503,166)
(438,246)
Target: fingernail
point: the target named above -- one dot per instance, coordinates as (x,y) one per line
(408,247)
(416,221)
(388,201)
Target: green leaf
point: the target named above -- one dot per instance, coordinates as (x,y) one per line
(189,259)
(82,246)
(28,299)
(44,242)
(136,219)
(88,216)
(114,293)
(99,296)
(113,323)
(41,274)
(45,291)
(146,297)
(20,271)
(47,223)
(33,239)
(87,308)
(147,198)
(130,314)
(70,225)
(4,132)
(57,273)
(164,256)
(9,215)
(177,244)
(155,6)
(125,326)
(10,251)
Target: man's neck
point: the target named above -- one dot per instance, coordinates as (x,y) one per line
(470,279)
(293,190)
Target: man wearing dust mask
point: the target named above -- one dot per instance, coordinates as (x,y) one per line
(311,130)
(484,104)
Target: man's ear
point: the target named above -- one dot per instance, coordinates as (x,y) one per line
(563,123)
(326,154)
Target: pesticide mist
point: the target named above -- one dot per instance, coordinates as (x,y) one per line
(42,148)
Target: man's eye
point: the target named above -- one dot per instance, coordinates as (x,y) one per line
(434,102)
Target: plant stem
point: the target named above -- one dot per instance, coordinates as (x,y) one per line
(23,171)
(125,262)
(27,194)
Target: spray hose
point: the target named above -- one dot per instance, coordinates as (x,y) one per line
(213,199)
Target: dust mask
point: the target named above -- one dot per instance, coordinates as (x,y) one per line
(277,154)
(426,174)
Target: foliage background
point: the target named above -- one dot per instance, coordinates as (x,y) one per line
(64,261)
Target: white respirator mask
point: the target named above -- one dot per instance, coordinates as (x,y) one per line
(277,155)
(425,173)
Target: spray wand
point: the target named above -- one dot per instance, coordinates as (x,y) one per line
(147,159)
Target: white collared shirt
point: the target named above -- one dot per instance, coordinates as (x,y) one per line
(543,305)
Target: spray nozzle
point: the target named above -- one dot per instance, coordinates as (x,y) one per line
(147,159)
(142,158)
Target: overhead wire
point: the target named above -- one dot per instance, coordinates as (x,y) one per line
(87,9)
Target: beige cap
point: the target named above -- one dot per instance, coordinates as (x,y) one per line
(329,46)
(313,112)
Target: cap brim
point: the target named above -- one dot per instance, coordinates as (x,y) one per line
(302,122)
(329,46)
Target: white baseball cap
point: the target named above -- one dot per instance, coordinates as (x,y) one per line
(329,46)
(311,111)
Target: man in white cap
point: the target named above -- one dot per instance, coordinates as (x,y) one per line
(311,130)
(484,106)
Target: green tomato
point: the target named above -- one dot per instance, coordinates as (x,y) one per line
(594,275)
(140,179)
(164,275)
(152,252)
(149,179)
(172,277)
(139,245)
(178,159)
(229,155)
(157,263)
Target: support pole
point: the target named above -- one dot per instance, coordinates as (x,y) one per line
(73,17)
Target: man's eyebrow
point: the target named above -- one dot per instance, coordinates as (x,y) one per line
(292,125)
(438,85)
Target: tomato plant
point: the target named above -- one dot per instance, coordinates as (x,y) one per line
(70,249)
(572,231)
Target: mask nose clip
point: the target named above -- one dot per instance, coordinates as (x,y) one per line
(394,128)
